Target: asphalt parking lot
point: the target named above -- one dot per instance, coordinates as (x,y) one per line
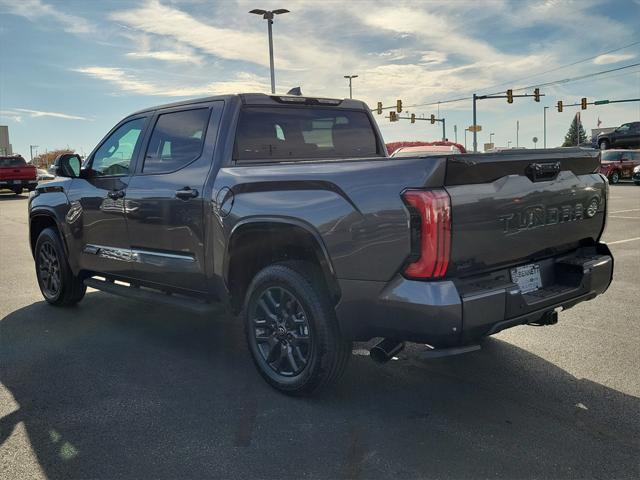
(118,389)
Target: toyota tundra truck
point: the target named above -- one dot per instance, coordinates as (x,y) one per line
(288,212)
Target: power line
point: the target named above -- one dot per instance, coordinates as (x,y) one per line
(512,82)
(546,84)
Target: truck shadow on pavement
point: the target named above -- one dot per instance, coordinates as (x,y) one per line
(117,389)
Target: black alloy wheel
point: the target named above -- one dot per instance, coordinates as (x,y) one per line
(49,270)
(292,330)
(58,284)
(281,331)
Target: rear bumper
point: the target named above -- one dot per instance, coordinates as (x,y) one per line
(450,313)
(30,184)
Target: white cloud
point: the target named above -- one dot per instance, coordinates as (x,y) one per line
(128,82)
(226,43)
(612,58)
(36,10)
(167,56)
(40,113)
(15,116)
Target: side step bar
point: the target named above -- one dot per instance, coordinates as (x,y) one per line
(155,297)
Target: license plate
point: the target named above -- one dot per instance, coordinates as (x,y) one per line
(527,277)
(17,182)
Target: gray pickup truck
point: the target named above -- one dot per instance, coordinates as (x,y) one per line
(288,211)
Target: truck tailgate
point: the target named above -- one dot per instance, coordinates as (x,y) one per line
(516,207)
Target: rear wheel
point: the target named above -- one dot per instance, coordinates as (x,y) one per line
(291,329)
(56,281)
(604,144)
(17,190)
(614,178)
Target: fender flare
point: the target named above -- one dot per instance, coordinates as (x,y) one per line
(321,250)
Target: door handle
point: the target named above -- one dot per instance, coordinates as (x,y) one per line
(186,193)
(116,194)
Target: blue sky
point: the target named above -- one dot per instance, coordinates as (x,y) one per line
(70,70)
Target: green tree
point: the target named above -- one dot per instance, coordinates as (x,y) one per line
(571,137)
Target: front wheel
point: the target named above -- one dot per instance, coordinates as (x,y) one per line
(56,281)
(614,178)
(292,331)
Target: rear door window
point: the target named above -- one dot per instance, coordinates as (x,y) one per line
(290,133)
(176,140)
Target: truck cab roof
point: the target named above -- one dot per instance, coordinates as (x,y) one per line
(264,99)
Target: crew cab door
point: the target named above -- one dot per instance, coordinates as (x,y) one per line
(165,204)
(96,219)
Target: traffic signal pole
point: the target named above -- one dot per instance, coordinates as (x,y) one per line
(509,96)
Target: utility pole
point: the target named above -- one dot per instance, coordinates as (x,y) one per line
(455,132)
(268,15)
(491,137)
(475,133)
(517,133)
(444,131)
(544,127)
(465,138)
(350,77)
(31,147)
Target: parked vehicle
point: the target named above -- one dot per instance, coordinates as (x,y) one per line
(16,174)
(426,150)
(44,175)
(288,211)
(619,164)
(636,175)
(625,136)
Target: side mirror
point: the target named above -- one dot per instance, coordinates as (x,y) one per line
(68,165)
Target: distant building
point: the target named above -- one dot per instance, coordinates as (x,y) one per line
(5,146)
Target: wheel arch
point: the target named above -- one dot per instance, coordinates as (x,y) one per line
(40,219)
(260,241)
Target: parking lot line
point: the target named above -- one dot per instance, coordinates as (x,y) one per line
(624,211)
(620,216)
(623,241)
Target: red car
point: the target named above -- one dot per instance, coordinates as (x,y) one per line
(16,174)
(619,164)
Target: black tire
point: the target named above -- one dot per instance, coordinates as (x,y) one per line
(604,144)
(311,352)
(637,183)
(56,281)
(614,177)
(17,190)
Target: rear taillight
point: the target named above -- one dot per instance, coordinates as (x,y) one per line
(431,233)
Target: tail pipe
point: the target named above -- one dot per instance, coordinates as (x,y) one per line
(386,350)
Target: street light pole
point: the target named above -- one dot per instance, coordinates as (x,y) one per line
(491,137)
(544,128)
(517,133)
(31,147)
(268,15)
(455,132)
(350,77)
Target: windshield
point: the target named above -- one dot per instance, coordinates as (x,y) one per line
(611,156)
(288,133)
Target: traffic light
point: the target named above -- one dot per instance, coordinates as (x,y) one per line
(393,117)
(433,119)
(379,109)
(413,118)
(399,106)
(536,94)
(509,96)
(560,106)
(583,103)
